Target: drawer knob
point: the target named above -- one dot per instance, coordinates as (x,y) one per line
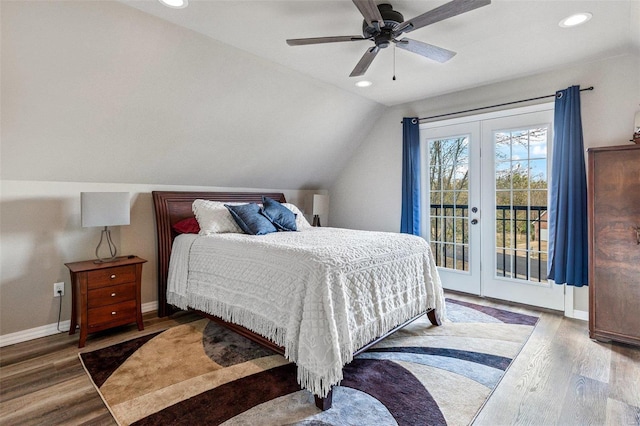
(113,313)
(113,295)
(113,276)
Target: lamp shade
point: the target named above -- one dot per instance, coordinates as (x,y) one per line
(104,208)
(320,204)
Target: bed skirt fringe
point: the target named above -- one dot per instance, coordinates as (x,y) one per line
(318,383)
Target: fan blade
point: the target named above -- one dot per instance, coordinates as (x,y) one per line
(364,62)
(447,10)
(370,11)
(318,40)
(427,50)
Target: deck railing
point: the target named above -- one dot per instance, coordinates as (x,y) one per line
(534,218)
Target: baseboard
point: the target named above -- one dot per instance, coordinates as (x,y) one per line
(148,307)
(569,311)
(51,329)
(581,315)
(34,333)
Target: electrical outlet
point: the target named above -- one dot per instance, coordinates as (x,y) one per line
(58,289)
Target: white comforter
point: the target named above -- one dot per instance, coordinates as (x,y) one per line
(321,293)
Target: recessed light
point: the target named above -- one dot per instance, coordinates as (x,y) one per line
(363,83)
(575,19)
(175,4)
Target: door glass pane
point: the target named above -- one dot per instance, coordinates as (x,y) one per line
(520,175)
(521,204)
(462,198)
(449,183)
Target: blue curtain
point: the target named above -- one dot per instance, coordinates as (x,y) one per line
(410,219)
(568,246)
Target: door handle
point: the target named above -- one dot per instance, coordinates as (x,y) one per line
(474,221)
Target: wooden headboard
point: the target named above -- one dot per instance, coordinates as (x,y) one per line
(174,206)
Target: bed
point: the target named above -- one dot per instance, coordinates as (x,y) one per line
(314,300)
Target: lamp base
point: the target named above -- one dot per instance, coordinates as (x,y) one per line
(316,221)
(106,236)
(113,259)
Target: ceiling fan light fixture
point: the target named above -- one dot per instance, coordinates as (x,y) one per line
(575,19)
(175,4)
(363,83)
(383,26)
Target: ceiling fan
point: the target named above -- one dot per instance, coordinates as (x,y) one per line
(383,25)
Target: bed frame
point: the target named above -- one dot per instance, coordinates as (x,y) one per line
(174,206)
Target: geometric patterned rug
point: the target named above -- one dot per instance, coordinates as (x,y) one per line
(201,373)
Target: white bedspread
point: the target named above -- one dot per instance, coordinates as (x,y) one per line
(321,293)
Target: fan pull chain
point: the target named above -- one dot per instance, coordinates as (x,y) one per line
(394,62)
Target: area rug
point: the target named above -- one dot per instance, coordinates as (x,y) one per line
(201,373)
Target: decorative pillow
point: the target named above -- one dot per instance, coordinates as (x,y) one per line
(214,218)
(250,219)
(187,226)
(283,218)
(301,221)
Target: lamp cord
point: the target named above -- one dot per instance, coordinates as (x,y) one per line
(59,313)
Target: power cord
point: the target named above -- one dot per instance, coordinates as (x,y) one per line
(60,312)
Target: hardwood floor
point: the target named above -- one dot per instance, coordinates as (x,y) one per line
(561,377)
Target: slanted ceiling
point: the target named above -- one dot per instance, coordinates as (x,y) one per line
(102,92)
(133,92)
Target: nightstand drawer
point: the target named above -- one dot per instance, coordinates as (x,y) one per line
(111,295)
(121,313)
(111,276)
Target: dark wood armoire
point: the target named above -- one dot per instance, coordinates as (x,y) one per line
(614,243)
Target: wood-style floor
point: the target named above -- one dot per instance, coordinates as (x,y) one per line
(561,377)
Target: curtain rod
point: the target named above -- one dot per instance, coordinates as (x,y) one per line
(494,106)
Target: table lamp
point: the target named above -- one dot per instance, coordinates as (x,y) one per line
(105,209)
(320,207)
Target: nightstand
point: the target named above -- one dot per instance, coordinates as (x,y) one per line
(105,295)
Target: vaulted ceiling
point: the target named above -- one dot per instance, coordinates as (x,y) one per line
(212,94)
(506,39)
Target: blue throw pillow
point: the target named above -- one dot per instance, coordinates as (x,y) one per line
(283,218)
(248,217)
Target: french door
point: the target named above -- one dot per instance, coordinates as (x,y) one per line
(451,171)
(488,180)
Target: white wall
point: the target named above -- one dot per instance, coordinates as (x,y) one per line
(98,96)
(367,194)
(97,91)
(40,231)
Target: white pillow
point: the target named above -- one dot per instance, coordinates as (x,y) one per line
(214,218)
(301,221)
